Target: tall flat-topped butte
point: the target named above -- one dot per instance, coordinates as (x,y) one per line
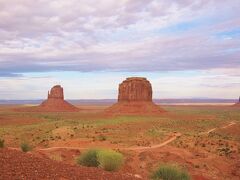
(135,97)
(135,89)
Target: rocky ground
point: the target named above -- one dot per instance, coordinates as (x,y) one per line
(18,165)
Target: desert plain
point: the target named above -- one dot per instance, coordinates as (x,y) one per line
(204,139)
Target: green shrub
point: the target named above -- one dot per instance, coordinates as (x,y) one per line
(109,160)
(25,147)
(170,172)
(89,158)
(2,143)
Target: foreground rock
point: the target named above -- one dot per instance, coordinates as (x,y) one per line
(19,165)
(135,97)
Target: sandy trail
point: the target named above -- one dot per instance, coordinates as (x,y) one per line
(175,136)
(211,130)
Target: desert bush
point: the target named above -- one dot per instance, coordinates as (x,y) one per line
(2,143)
(102,138)
(89,158)
(170,172)
(110,160)
(25,147)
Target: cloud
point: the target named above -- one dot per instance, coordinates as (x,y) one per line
(124,35)
(3,74)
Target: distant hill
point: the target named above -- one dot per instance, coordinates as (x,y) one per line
(111,101)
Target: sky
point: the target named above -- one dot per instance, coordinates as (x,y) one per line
(185,48)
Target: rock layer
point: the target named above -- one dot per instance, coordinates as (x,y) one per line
(135,98)
(135,89)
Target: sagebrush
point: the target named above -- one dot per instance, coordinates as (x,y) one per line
(25,147)
(2,143)
(170,172)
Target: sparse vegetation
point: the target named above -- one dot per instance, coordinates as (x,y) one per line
(109,160)
(170,172)
(56,157)
(2,143)
(25,147)
(45,130)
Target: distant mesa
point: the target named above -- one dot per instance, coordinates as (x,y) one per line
(56,102)
(237,104)
(135,97)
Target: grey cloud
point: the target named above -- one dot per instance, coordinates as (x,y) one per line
(44,36)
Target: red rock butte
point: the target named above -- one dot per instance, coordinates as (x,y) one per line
(135,97)
(56,102)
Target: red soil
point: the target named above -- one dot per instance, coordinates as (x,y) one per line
(233,131)
(4,121)
(19,165)
(210,166)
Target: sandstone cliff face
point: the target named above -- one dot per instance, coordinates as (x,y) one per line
(135,89)
(134,98)
(56,93)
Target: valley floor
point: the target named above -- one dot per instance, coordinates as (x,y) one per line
(205,140)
